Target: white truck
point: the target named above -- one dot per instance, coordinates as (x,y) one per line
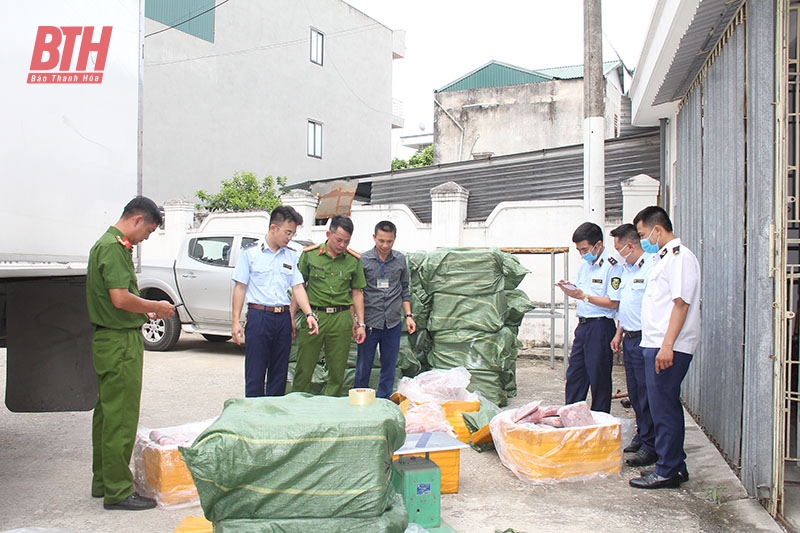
(200,279)
(69,162)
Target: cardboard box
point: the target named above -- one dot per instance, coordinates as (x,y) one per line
(537,454)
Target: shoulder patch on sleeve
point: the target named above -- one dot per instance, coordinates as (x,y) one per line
(615,282)
(676,250)
(249,245)
(354,253)
(612,261)
(311,247)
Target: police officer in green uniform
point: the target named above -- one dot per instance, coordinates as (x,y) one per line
(117,312)
(334,279)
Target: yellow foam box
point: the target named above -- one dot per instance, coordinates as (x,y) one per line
(452,411)
(449,463)
(538,454)
(162,474)
(195,524)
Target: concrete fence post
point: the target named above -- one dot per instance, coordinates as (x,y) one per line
(448,214)
(638,192)
(304,203)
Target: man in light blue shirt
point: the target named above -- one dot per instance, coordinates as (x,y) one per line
(595,290)
(265,271)
(636,271)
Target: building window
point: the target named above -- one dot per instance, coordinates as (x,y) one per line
(317,42)
(315,138)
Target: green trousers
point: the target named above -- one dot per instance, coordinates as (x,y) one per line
(118,360)
(335,333)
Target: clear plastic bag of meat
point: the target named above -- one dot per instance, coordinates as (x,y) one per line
(438,386)
(427,417)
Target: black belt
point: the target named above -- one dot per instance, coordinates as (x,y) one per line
(331,309)
(631,334)
(269,308)
(583,319)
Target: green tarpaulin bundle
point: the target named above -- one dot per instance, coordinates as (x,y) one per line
(297,456)
(484,312)
(458,270)
(395,519)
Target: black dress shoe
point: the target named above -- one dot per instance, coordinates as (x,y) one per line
(683,476)
(633,447)
(653,481)
(134,502)
(642,458)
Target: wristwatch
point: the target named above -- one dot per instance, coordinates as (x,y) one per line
(586,298)
(409,315)
(309,315)
(362,326)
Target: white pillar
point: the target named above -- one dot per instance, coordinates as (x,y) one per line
(305,203)
(178,221)
(638,192)
(448,213)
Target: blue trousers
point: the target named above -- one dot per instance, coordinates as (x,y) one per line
(590,364)
(664,395)
(389,341)
(268,341)
(637,392)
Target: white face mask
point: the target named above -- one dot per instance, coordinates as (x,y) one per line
(621,259)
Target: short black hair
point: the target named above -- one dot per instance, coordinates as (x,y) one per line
(589,232)
(341,221)
(141,205)
(626,233)
(283,213)
(652,215)
(385,225)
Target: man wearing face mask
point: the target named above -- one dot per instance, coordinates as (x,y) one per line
(595,290)
(636,269)
(670,335)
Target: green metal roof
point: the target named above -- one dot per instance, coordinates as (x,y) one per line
(497,74)
(174,12)
(494,74)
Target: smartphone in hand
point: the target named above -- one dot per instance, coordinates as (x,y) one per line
(568,286)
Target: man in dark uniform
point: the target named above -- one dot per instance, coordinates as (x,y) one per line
(264,273)
(117,313)
(334,279)
(591,359)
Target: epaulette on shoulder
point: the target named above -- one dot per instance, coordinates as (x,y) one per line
(354,253)
(311,247)
(249,245)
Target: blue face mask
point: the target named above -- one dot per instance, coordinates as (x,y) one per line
(589,256)
(648,246)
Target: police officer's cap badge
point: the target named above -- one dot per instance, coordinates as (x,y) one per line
(615,282)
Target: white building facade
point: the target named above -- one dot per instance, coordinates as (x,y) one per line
(281,88)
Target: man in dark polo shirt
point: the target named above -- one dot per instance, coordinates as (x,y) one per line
(117,312)
(386,305)
(334,279)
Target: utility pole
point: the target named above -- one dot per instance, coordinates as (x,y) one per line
(594,123)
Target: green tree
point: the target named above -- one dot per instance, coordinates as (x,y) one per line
(244,192)
(423,158)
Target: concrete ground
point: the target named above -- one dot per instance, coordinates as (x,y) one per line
(45,465)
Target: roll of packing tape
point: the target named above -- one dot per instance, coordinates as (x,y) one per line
(362,396)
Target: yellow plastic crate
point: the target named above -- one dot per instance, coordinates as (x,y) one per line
(162,474)
(558,453)
(449,462)
(195,524)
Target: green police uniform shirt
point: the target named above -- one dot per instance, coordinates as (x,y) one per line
(111,267)
(328,280)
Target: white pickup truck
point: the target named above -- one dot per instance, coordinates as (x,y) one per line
(200,279)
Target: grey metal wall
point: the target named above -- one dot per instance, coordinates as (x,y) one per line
(711,217)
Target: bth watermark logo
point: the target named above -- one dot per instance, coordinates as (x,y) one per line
(55,47)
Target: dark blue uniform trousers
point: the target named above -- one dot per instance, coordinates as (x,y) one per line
(268,341)
(389,341)
(637,392)
(664,395)
(590,364)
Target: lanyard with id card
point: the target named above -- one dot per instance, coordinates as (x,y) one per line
(383,281)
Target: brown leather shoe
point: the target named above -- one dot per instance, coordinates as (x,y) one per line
(134,502)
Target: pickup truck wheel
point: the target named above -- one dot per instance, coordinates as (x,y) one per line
(160,335)
(217,338)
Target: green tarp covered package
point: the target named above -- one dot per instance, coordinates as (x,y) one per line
(297,456)
(395,519)
(461,270)
(483,312)
(518,304)
(477,420)
(513,271)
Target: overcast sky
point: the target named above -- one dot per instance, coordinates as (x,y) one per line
(446,39)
